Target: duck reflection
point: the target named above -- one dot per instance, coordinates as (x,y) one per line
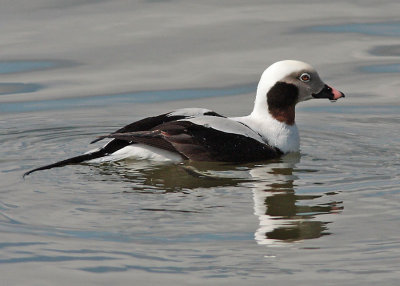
(283,214)
(166,178)
(281,218)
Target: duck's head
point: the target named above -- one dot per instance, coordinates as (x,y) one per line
(286,83)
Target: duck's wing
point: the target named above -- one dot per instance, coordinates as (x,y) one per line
(205,139)
(151,122)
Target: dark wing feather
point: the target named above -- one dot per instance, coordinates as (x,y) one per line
(151,122)
(144,124)
(201,143)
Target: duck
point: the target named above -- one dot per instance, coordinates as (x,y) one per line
(198,134)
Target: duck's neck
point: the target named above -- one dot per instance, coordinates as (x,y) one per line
(284,115)
(277,133)
(275,123)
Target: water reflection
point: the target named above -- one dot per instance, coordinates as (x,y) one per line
(164,178)
(284,214)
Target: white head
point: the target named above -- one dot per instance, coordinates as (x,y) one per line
(286,83)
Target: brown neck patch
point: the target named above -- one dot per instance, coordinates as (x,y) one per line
(286,115)
(281,99)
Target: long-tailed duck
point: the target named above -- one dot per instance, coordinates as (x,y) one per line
(204,135)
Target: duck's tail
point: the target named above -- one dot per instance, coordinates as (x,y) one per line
(108,149)
(73,160)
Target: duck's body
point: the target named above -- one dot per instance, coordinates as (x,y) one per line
(204,135)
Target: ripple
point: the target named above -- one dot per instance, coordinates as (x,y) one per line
(383,68)
(20,66)
(353,109)
(390,50)
(390,29)
(19,244)
(125,98)
(45,258)
(14,88)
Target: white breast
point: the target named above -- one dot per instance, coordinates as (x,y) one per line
(276,133)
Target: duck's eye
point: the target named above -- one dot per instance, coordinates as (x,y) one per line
(305,77)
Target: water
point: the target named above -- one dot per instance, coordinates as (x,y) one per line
(71,72)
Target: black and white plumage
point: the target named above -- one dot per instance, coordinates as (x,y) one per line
(204,135)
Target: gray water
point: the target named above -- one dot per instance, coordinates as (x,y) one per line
(70,71)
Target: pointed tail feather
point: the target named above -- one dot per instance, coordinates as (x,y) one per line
(73,160)
(97,139)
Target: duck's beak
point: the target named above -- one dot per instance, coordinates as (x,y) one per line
(328,92)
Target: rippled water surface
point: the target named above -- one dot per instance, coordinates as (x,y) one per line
(70,72)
